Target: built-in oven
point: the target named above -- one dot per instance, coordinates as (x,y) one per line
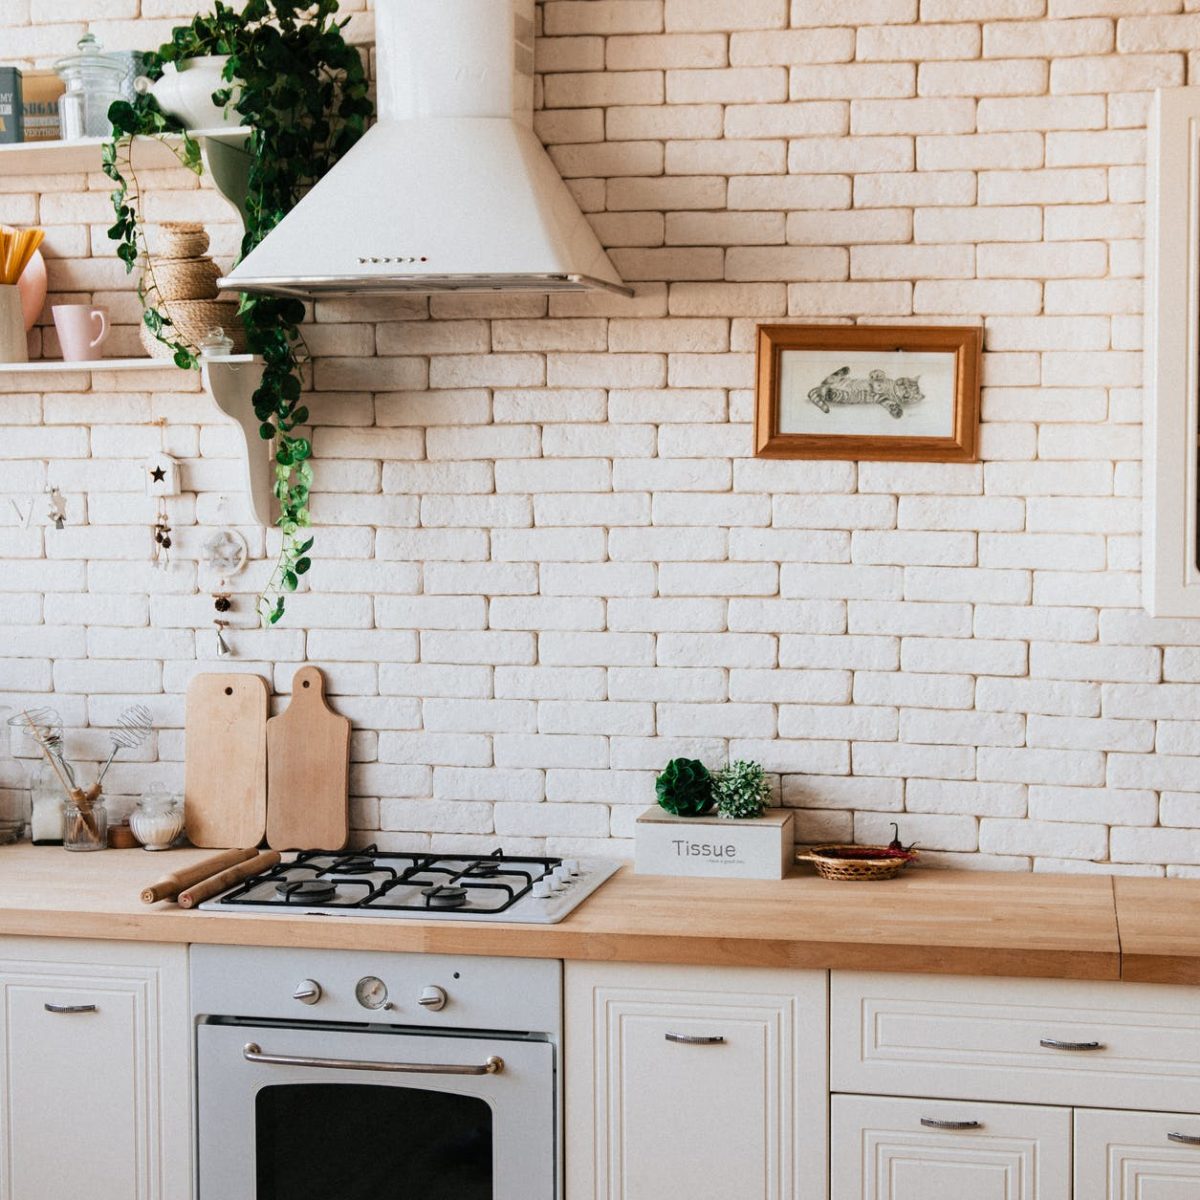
(375,1077)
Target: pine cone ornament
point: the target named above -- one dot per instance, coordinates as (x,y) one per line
(685,787)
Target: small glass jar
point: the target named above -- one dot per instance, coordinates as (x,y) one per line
(46,803)
(158,819)
(94,80)
(85,824)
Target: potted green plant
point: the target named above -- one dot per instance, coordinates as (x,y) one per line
(293,80)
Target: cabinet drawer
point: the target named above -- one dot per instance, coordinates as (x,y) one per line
(1137,1156)
(1104,1045)
(886,1149)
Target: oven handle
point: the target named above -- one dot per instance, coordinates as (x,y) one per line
(252,1052)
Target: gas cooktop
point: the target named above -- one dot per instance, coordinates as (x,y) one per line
(486,887)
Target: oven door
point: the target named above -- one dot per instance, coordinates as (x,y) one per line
(293,1113)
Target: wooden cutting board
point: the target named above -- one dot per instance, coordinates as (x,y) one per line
(308,770)
(225,778)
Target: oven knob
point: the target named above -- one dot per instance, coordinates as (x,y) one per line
(308,991)
(541,890)
(432,998)
(571,866)
(556,882)
(563,876)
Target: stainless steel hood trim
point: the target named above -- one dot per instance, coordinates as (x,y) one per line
(305,288)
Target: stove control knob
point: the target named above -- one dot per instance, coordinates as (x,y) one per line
(308,991)
(433,998)
(563,876)
(555,881)
(571,866)
(541,890)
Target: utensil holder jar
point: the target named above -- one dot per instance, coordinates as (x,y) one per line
(13,346)
(85,825)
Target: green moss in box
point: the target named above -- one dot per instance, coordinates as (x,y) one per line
(741,790)
(685,788)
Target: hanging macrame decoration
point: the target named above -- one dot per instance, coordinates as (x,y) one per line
(162,481)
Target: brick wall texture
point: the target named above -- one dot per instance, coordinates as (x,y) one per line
(546,560)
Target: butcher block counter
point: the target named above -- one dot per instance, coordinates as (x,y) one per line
(948,922)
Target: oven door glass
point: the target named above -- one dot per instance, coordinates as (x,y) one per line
(306,1130)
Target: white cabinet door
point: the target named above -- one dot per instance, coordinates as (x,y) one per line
(95,1095)
(1136,1156)
(891,1149)
(685,1081)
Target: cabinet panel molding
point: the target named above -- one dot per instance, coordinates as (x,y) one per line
(1136,1156)
(891,1149)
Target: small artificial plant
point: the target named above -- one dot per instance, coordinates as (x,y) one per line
(685,787)
(741,790)
(302,91)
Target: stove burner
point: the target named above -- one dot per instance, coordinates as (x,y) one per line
(309,891)
(353,864)
(444,896)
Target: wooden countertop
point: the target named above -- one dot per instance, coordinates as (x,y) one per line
(1160,929)
(950,922)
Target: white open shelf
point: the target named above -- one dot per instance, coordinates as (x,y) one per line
(63,158)
(55,365)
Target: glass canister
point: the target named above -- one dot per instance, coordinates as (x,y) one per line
(158,819)
(46,805)
(85,822)
(94,80)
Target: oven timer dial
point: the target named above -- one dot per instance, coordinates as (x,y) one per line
(308,991)
(371,992)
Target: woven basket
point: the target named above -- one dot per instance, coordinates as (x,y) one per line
(185,278)
(181,239)
(190,321)
(860,868)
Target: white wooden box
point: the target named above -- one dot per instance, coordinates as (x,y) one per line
(759,848)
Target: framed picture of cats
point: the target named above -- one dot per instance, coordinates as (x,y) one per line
(903,392)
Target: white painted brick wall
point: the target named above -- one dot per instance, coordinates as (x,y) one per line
(545,559)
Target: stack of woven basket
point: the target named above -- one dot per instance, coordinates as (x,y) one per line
(181,282)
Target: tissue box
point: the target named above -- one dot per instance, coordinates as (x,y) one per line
(760,848)
(40,94)
(10,105)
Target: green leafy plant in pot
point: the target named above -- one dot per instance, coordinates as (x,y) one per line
(302,91)
(685,788)
(741,790)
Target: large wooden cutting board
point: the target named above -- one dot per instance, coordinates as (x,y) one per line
(308,770)
(225,780)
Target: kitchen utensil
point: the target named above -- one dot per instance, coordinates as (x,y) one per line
(227,878)
(94,80)
(852,864)
(308,770)
(133,728)
(225,789)
(169,886)
(82,330)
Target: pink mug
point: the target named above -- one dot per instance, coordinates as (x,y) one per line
(77,331)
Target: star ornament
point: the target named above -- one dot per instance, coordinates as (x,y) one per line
(158,475)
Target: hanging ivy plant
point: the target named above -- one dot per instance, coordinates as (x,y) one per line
(302,92)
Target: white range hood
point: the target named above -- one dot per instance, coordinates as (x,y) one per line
(450,191)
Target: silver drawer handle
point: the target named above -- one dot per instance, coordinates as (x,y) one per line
(69,1008)
(1186,1139)
(1055,1044)
(252,1052)
(688,1039)
(934,1123)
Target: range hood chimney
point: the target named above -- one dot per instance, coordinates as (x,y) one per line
(451,190)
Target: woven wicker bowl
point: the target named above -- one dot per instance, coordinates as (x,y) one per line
(832,862)
(185,278)
(181,239)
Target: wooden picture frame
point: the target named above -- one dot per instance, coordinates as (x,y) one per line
(864,383)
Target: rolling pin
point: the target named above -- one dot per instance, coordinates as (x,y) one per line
(226,879)
(170,886)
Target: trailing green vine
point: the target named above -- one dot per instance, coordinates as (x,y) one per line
(302,91)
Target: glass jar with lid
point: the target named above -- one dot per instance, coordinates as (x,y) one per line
(94,80)
(158,819)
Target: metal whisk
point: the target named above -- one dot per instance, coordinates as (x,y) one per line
(133,728)
(44,727)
